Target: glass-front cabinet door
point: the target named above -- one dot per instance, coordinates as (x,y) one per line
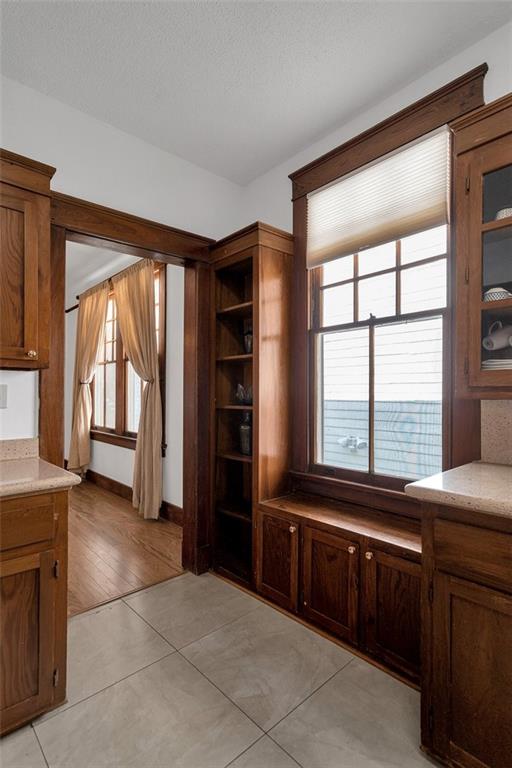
(489,220)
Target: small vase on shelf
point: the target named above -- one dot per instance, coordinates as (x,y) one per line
(246,435)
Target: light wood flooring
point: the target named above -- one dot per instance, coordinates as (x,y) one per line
(112,551)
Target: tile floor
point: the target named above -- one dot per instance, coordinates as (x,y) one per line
(195,673)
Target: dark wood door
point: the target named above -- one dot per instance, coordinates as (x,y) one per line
(331,574)
(277,558)
(472,673)
(19,248)
(27,590)
(392,616)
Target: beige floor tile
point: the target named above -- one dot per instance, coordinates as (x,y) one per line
(165,715)
(264,754)
(21,750)
(361,718)
(266,663)
(189,607)
(104,646)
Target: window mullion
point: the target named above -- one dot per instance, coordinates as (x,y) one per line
(371,399)
(120,382)
(398,288)
(356,287)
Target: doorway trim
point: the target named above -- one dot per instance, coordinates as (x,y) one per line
(82,221)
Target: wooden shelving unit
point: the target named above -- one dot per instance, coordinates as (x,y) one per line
(250,294)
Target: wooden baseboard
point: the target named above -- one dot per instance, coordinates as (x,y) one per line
(109,484)
(172,512)
(167,510)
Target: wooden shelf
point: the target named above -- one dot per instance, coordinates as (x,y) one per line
(236,310)
(236,513)
(235,359)
(233,456)
(496,306)
(491,226)
(234,407)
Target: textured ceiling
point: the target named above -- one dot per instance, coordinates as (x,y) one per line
(87,265)
(235,87)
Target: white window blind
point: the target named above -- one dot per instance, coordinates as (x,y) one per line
(398,194)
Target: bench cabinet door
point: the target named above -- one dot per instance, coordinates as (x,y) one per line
(331,582)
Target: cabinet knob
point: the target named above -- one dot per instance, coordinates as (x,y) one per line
(32,353)
(351,549)
(292,528)
(368,555)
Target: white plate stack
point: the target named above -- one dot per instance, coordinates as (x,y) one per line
(504,363)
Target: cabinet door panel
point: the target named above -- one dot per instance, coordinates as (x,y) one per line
(331,565)
(19,270)
(26,628)
(277,559)
(472,715)
(393,620)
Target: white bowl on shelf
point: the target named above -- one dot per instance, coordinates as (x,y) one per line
(503,213)
(497,293)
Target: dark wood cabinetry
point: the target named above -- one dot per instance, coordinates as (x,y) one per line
(483,238)
(277,574)
(33,618)
(24,262)
(393,610)
(251,383)
(355,573)
(467,639)
(331,582)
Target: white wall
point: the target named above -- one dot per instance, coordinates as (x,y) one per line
(113,461)
(268,197)
(19,419)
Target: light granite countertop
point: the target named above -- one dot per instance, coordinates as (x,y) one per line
(478,486)
(22,471)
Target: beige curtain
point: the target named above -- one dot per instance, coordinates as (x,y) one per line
(134,294)
(90,334)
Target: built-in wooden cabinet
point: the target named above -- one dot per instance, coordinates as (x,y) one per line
(350,571)
(467,639)
(331,582)
(392,604)
(24,262)
(33,598)
(277,574)
(251,285)
(483,243)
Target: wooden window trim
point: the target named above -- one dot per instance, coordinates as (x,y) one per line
(452,101)
(120,436)
(438,108)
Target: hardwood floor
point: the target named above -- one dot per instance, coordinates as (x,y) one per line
(112,551)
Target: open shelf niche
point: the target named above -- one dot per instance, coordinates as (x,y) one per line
(250,322)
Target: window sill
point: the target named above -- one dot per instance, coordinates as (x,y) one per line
(122,441)
(372,496)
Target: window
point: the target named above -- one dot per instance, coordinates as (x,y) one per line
(117,389)
(378,323)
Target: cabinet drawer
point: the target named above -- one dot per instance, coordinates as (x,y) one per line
(26,521)
(474,552)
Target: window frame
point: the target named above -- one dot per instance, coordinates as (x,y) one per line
(119,435)
(316,329)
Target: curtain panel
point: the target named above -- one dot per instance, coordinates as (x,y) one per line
(90,334)
(134,294)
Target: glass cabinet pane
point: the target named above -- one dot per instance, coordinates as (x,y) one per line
(496,348)
(497,194)
(497,264)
